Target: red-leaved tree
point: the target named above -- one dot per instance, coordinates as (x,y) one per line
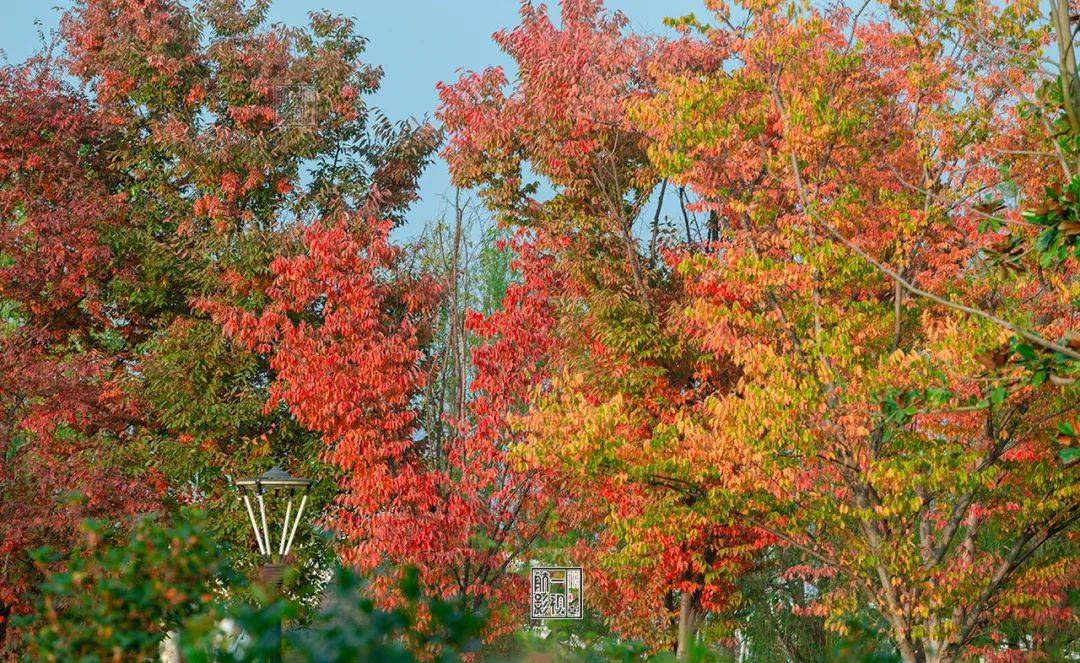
(66,416)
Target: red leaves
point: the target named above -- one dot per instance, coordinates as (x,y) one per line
(567,115)
(57,261)
(62,455)
(129,45)
(341,333)
(585,311)
(65,406)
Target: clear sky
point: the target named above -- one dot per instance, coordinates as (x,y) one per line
(417,42)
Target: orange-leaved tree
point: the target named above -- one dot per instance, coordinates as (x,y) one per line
(904,358)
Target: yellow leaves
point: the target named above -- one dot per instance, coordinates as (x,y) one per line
(885,511)
(585,431)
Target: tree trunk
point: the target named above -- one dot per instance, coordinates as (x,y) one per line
(688,623)
(1067,62)
(170,648)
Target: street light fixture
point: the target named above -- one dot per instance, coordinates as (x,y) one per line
(281,485)
(255,492)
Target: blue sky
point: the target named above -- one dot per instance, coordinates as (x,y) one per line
(417,42)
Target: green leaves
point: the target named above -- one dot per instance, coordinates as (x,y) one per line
(1069,440)
(348,626)
(1058,219)
(122,589)
(898,407)
(1069,455)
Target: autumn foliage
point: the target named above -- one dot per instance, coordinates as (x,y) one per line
(855,357)
(66,413)
(150,164)
(777,339)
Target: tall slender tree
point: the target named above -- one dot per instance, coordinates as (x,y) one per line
(615,371)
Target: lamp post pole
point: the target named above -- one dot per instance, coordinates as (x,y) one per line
(274,486)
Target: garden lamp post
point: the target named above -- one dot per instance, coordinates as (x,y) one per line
(278,488)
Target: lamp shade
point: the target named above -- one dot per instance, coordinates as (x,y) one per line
(274,479)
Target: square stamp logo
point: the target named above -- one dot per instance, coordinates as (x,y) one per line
(297,105)
(557,592)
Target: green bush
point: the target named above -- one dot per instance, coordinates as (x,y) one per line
(123,588)
(348,626)
(127,585)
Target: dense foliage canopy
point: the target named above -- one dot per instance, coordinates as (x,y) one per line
(768,320)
